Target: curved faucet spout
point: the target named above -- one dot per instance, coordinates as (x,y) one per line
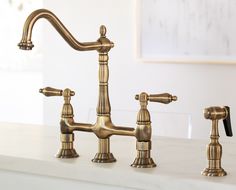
(26,43)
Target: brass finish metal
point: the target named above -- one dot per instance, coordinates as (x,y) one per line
(67,138)
(67,150)
(144,130)
(164,98)
(214,149)
(104,155)
(143,159)
(103,128)
(48,91)
(101,45)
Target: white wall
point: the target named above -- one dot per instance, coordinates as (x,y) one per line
(196,85)
(18,102)
(20,71)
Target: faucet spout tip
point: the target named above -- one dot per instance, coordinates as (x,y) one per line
(26,45)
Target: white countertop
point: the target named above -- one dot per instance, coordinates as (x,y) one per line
(31,149)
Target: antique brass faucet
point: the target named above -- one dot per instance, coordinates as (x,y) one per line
(214,149)
(103,128)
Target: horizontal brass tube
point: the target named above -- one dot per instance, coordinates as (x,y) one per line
(73,126)
(109,130)
(124,131)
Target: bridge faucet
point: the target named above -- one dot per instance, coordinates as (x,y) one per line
(103,128)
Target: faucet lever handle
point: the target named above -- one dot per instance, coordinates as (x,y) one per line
(164,98)
(48,91)
(227,123)
(67,109)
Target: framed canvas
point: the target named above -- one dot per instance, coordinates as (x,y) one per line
(201,31)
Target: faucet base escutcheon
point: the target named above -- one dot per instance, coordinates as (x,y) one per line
(143,159)
(214,172)
(104,155)
(104,158)
(140,162)
(67,150)
(67,153)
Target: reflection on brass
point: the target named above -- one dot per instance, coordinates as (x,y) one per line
(214,149)
(103,128)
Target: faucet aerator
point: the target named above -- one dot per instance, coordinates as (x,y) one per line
(26,45)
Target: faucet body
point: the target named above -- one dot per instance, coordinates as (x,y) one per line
(103,127)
